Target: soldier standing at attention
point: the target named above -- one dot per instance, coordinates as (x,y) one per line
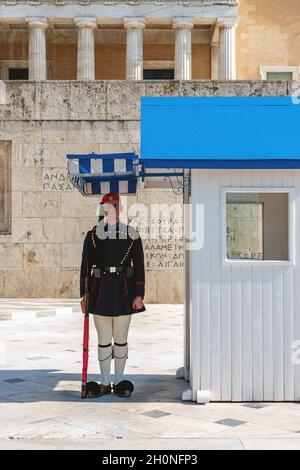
(113,263)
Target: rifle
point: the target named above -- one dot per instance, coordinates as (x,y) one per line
(84,390)
(88,389)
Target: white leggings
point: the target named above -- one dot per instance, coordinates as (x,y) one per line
(109,327)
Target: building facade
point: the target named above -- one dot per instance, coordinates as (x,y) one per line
(190,40)
(72,74)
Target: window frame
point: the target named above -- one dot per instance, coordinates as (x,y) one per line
(291,226)
(159,65)
(5,65)
(264,69)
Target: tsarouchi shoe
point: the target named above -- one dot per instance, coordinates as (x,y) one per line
(95,390)
(123,388)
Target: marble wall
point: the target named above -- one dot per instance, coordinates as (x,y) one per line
(46,120)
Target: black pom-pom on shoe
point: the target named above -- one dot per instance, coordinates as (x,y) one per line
(123,388)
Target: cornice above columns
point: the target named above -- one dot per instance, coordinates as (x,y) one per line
(85,22)
(227,22)
(134,22)
(37,21)
(183,22)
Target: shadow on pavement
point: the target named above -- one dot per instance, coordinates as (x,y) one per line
(26,386)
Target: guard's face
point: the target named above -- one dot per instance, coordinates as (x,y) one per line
(112,210)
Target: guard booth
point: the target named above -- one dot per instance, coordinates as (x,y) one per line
(241,156)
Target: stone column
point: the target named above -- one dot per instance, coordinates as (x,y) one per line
(227,58)
(183,48)
(214,61)
(37,47)
(134,47)
(85,48)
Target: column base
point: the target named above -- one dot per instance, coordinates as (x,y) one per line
(199,396)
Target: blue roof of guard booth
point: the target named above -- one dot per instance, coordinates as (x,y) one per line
(220,132)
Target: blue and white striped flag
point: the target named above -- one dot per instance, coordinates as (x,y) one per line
(104,173)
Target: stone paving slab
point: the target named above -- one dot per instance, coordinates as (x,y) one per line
(40,405)
(121,444)
(10,309)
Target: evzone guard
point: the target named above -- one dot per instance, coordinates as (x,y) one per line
(112,287)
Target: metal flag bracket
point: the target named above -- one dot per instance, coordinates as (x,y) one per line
(95,174)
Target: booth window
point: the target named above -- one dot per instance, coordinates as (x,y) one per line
(5,203)
(257,226)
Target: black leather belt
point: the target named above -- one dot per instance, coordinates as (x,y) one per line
(97,272)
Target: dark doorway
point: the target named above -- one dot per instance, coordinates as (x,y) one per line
(158,74)
(18,74)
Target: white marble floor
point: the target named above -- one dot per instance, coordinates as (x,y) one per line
(40,405)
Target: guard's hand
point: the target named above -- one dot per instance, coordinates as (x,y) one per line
(83,304)
(138,302)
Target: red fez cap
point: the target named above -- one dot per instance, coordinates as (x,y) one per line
(110,197)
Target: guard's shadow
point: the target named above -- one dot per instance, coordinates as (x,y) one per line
(28,386)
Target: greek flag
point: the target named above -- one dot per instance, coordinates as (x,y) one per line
(94,174)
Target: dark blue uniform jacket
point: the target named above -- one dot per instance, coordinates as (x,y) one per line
(112,294)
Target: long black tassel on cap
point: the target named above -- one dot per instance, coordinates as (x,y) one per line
(99,241)
(101,213)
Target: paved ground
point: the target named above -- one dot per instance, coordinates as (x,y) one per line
(40,405)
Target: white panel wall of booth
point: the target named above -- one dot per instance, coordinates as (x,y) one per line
(245,315)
